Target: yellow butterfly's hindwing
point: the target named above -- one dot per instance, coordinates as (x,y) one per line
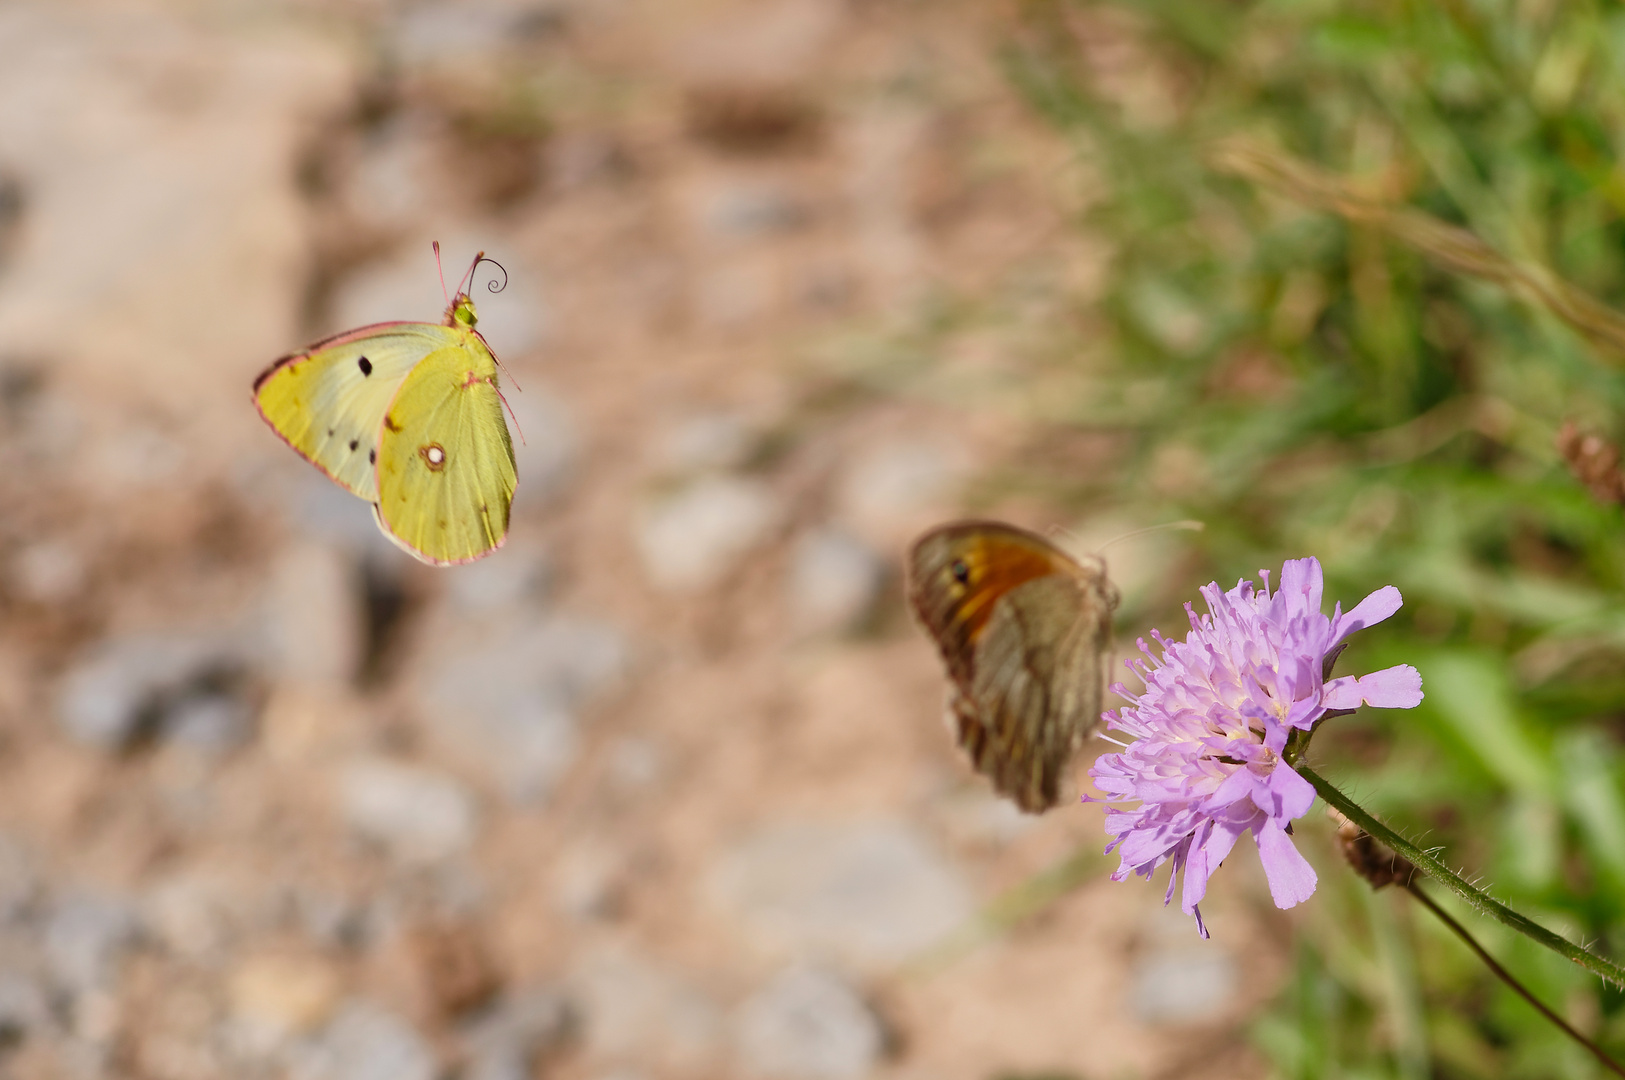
(328,402)
(446,472)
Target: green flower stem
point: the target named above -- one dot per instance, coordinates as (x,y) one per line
(1474,898)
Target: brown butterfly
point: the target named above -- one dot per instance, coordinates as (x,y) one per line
(1022,626)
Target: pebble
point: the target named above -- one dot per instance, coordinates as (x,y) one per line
(588,879)
(19,881)
(116,693)
(23,1009)
(318,620)
(278,995)
(49,572)
(509,699)
(85,935)
(708,441)
(191,914)
(507,1041)
(742,210)
(490,586)
(211,723)
(690,540)
(367,1042)
(418,816)
(873,892)
(808,1024)
(632,1007)
(834,581)
(550,448)
(1183,985)
(891,492)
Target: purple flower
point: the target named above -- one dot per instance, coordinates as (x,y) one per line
(1205,762)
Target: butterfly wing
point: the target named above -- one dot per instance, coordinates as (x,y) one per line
(328,402)
(1035,690)
(446,472)
(1021,626)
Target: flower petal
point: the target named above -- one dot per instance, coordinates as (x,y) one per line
(1293,793)
(1292,879)
(1398,687)
(1368,612)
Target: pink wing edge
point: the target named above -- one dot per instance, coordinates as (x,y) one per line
(304,354)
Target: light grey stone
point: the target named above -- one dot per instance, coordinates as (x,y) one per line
(834,580)
(212,723)
(634,1007)
(19,880)
(317,615)
(872,892)
(1183,985)
(587,880)
(691,539)
(115,694)
(713,440)
(884,491)
(518,579)
(808,1024)
(510,699)
(192,914)
(50,571)
(635,762)
(550,448)
(85,935)
(418,816)
(24,1009)
(367,1042)
(507,1040)
(739,210)
(327,514)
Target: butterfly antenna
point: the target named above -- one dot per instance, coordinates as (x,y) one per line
(490,286)
(439,270)
(1188,525)
(468,275)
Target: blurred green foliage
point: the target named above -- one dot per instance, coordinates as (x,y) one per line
(1312,383)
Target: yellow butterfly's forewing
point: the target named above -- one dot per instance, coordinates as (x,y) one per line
(446,472)
(328,402)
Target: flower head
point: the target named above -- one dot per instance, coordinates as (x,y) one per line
(1208,732)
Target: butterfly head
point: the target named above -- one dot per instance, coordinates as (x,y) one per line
(461,312)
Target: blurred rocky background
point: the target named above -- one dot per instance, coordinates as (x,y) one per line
(661,789)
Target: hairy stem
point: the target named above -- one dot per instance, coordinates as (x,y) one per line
(1415,889)
(1474,897)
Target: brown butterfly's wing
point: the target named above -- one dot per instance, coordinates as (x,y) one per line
(1021,626)
(1036,687)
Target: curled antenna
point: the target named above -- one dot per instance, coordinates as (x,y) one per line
(490,286)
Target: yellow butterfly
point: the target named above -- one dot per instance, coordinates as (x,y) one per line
(407,415)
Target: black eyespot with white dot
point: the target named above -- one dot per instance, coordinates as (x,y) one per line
(365,365)
(960,571)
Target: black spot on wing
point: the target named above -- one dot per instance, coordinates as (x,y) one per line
(354,443)
(372,456)
(365,365)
